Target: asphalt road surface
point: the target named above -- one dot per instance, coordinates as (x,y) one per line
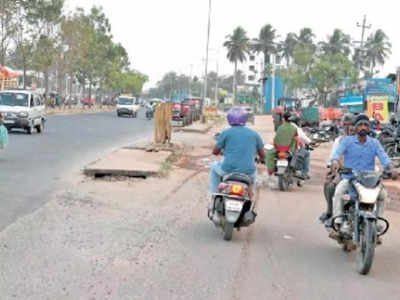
(34,166)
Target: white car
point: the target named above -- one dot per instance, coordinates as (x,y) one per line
(22,109)
(127,106)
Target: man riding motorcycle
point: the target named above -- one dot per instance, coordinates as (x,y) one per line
(332,179)
(359,152)
(239,145)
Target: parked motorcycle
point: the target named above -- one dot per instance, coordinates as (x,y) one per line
(233,205)
(360,213)
(320,135)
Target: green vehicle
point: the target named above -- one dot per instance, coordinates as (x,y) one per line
(310,116)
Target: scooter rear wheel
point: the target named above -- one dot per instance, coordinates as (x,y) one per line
(228,231)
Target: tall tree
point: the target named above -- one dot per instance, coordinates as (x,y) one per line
(237,45)
(8,9)
(378,49)
(338,43)
(265,43)
(306,38)
(44,16)
(287,47)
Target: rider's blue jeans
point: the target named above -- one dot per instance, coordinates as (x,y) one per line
(216,173)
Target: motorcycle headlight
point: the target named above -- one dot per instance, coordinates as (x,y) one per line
(23,115)
(368,195)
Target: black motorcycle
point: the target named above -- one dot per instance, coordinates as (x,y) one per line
(361,214)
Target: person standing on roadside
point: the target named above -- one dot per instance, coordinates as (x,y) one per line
(3,133)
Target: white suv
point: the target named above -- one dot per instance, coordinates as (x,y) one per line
(22,109)
(127,106)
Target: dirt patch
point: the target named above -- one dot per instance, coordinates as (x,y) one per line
(394,194)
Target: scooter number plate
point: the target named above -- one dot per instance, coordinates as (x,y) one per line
(282,163)
(233,205)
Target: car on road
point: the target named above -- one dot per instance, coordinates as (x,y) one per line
(23,109)
(127,105)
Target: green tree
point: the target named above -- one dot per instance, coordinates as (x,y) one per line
(265,43)
(306,38)
(287,47)
(378,49)
(329,73)
(237,45)
(338,43)
(44,16)
(8,23)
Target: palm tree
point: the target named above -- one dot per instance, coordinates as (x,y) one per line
(306,38)
(287,47)
(378,49)
(237,45)
(265,43)
(338,43)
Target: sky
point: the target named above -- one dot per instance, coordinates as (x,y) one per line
(170,35)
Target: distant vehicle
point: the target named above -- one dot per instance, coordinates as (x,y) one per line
(250,114)
(127,106)
(181,115)
(23,109)
(89,102)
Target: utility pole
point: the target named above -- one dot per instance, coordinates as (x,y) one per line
(216,86)
(273,84)
(363,27)
(206,63)
(190,81)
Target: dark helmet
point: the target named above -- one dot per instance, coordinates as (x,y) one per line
(361,118)
(393,120)
(286,116)
(237,116)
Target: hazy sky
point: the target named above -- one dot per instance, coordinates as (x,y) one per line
(165,35)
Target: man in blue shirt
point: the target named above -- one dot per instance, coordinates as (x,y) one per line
(359,152)
(239,145)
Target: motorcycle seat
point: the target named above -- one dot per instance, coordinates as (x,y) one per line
(243,178)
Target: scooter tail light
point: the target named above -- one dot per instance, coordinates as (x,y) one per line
(236,189)
(282,155)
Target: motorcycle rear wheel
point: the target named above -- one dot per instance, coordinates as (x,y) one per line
(283,183)
(228,231)
(366,251)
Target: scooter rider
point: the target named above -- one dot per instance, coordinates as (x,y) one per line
(239,145)
(359,152)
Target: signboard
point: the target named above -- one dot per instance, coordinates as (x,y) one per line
(398,81)
(378,108)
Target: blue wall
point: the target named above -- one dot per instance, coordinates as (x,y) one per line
(268,90)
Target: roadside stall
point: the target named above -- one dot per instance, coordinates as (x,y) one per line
(8,78)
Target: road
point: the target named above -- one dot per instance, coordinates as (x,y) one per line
(34,167)
(151,239)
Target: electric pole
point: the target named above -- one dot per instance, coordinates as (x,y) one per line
(363,27)
(206,63)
